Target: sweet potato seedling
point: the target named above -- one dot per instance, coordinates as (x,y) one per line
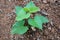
(24,14)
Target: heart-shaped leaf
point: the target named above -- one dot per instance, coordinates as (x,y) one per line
(17,9)
(22,15)
(18,23)
(33,9)
(30,4)
(38,21)
(33,23)
(18,28)
(30,7)
(42,18)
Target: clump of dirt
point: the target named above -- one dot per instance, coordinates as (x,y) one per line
(51,30)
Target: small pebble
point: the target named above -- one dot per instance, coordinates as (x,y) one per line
(21,36)
(1,11)
(44,12)
(14,11)
(44,1)
(30,35)
(33,29)
(58,37)
(9,0)
(38,38)
(51,22)
(11,36)
(49,28)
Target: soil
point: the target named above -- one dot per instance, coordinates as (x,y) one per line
(50,8)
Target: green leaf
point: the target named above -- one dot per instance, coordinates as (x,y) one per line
(27,15)
(30,7)
(18,23)
(38,21)
(22,15)
(42,18)
(34,23)
(33,9)
(30,4)
(18,28)
(18,8)
(26,9)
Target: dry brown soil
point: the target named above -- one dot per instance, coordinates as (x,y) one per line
(51,30)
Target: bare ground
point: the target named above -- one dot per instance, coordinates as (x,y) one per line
(51,31)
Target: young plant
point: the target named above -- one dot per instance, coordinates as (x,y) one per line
(23,15)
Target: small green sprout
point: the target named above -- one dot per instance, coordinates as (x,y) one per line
(23,14)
